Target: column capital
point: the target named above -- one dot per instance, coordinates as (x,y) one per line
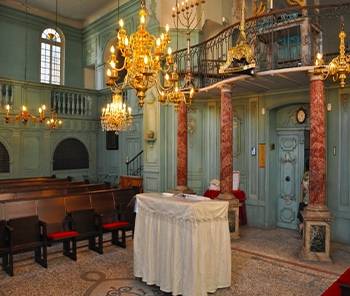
(316,75)
(226,88)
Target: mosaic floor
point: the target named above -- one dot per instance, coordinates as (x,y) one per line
(265,262)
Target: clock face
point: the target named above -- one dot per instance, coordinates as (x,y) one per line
(301,115)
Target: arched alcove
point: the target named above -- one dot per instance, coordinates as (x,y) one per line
(70,154)
(4,159)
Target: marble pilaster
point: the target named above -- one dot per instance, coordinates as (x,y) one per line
(182,149)
(226,158)
(316,236)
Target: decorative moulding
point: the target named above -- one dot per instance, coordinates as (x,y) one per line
(150,137)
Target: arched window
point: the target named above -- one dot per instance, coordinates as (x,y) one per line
(4,159)
(51,67)
(70,154)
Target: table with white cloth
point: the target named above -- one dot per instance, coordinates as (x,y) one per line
(181,245)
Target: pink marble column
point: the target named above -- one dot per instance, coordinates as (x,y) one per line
(226,141)
(317,196)
(182,147)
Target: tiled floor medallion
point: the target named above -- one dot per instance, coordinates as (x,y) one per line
(101,286)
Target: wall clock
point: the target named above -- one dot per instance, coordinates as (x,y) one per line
(301,115)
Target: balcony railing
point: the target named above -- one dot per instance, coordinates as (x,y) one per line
(280,39)
(66,101)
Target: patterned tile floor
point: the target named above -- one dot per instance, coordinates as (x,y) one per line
(264,262)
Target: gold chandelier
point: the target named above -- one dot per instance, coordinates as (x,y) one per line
(116,116)
(53,122)
(147,59)
(339,67)
(186,16)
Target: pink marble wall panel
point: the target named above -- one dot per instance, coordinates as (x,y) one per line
(226,140)
(317,143)
(182,145)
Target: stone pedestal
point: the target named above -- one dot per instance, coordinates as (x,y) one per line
(226,159)
(317,218)
(316,235)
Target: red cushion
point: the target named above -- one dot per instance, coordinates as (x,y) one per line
(62,235)
(117,224)
(212,193)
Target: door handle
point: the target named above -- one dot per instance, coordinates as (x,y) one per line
(287,179)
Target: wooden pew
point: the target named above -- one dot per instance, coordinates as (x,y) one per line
(47,193)
(30,179)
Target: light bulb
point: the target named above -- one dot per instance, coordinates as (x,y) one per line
(112,63)
(109,73)
(48,122)
(24,108)
(112,49)
(121,23)
(60,122)
(40,110)
(162,36)
(129,109)
(43,107)
(158,42)
(319,56)
(167,76)
(167,28)
(126,41)
(176,89)
(142,19)
(7,107)
(169,51)
(145,60)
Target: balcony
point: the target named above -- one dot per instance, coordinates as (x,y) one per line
(280,39)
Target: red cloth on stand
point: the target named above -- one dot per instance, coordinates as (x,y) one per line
(334,289)
(212,193)
(240,195)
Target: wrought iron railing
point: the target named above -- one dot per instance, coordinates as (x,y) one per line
(283,38)
(134,166)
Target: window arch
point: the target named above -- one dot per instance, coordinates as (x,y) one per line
(4,159)
(70,154)
(51,66)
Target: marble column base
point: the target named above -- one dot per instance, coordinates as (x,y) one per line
(233,213)
(316,234)
(182,189)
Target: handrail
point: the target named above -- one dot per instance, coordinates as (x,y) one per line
(272,13)
(135,171)
(282,38)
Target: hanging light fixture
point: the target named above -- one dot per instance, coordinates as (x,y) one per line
(147,59)
(116,116)
(53,122)
(185,15)
(339,67)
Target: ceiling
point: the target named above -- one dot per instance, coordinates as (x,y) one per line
(262,82)
(77,13)
(73,9)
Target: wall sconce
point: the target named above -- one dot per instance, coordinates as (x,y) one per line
(224,21)
(329,107)
(263,111)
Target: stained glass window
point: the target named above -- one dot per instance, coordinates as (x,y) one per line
(51,57)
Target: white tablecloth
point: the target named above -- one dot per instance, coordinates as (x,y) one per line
(182,246)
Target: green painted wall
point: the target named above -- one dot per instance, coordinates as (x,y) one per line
(13,28)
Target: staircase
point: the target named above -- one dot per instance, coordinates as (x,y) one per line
(134,169)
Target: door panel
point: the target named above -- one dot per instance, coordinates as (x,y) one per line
(291,159)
